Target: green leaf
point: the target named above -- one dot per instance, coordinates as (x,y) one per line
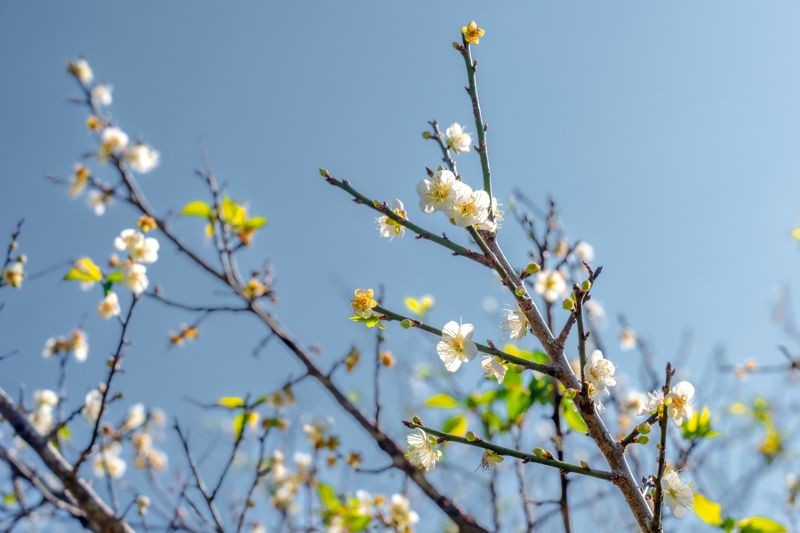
(528,355)
(441,401)
(328,497)
(760,524)
(198,208)
(484,398)
(370,322)
(709,512)
(357,522)
(256,223)
(114,277)
(243,419)
(9,498)
(572,417)
(84,269)
(232,213)
(456,425)
(64,432)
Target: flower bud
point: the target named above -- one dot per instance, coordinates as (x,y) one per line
(568,304)
(417,420)
(406,323)
(470,436)
(520,291)
(586,286)
(642,439)
(570,394)
(532,268)
(644,428)
(426,135)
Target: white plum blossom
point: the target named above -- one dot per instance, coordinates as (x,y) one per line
(458,139)
(136,417)
(636,401)
(42,419)
(134,277)
(515,325)
(80,345)
(91,405)
(401,516)
(551,285)
(303,463)
(109,306)
(142,158)
(469,208)
(678,495)
(627,339)
(14,274)
(45,398)
(595,311)
(680,402)
(113,140)
(140,249)
(108,462)
(421,451)
(80,69)
(652,403)
(456,345)
(390,228)
(439,192)
(101,95)
(98,202)
(584,252)
(599,373)
(493,367)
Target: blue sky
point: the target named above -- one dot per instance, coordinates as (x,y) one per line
(666,132)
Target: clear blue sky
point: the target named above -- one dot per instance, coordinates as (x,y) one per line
(667,133)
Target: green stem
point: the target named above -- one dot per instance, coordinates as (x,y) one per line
(483,150)
(491,350)
(422,233)
(509,452)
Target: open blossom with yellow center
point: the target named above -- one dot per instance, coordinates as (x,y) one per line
(101,95)
(678,496)
(421,451)
(134,277)
(652,403)
(680,405)
(137,415)
(79,179)
(456,345)
(599,373)
(140,249)
(390,228)
(401,516)
(438,192)
(108,462)
(551,285)
(363,302)
(113,140)
(142,158)
(77,343)
(472,33)
(14,274)
(470,207)
(255,288)
(457,138)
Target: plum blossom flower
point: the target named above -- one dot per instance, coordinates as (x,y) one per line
(401,516)
(438,192)
(652,403)
(515,325)
(108,462)
(470,207)
(99,201)
(113,140)
(92,405)
(109,306)
(584,252)
(101,95)
(421,451)
(390,228)
(42,419)
(45,398)
(134,277)
(140,249)
(493,367)
(472,33)
(492,223)
(678,495)
(456,345)
(599,373)
(551,285)
(627,339)
(363,302)
(14,274)
(136,417)
(142,158)
(680,402)
(81,70)
(457,138)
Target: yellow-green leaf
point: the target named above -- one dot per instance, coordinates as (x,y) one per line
(573,419)
(64,432)
(759,524)
(256,223)
(231,402)
(198,208)
(84,269)
(328,497)
(456,425)
(419,306)
(708,511)
(441,401)
(233,213)
(241,420)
